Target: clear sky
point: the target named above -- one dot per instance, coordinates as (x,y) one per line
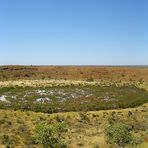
(74,32)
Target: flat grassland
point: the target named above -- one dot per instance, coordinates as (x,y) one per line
(87,73)
(86,98)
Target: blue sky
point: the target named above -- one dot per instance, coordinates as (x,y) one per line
(74,32)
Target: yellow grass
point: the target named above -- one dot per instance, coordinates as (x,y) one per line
(84,134)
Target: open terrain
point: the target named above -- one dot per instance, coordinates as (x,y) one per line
(87,73)
(87,99)
(85,129)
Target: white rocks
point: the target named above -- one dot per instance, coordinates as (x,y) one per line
(42,100)
(51,92)
(73,96)
(41,92)
(3,99)
(13,97)
(108,99)
(89,95)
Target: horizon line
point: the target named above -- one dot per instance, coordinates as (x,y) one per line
(85,65)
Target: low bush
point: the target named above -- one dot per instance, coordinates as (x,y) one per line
(50,136)
(119,134)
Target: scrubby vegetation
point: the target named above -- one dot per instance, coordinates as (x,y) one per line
(73,107)
(50,136)
(71,98)
(119,135)
(72,129)
(90,73)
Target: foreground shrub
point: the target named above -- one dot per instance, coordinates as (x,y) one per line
(51,136)
(119,134)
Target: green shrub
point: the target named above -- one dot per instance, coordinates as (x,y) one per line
(136,141)
(118,134)
(50,136)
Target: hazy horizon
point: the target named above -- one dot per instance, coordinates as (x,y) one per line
(79,65)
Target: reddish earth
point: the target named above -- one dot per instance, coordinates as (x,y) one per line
(89,73)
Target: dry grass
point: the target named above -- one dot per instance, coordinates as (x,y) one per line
(85,129)
(74,73)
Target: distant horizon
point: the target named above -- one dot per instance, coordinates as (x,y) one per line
(83,65)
